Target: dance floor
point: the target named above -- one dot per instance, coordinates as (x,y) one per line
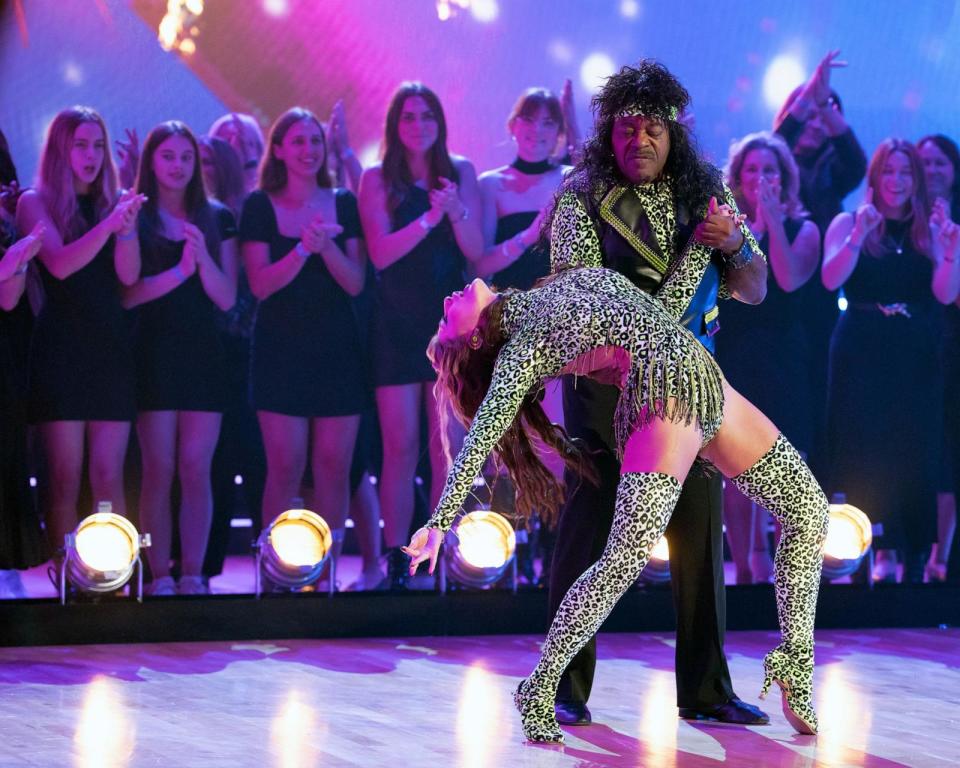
(885,698)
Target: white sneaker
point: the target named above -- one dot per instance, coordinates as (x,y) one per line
(192,585)
(165,586)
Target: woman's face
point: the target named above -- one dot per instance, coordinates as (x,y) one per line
(302,149)
(209,169)
(243,140)
(461,310)
(173,162)
(536,135)
(418,127)
(87,151)
(759,164)
(938,170)
(896,181)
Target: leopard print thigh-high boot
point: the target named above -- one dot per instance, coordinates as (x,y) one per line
(645,501)
(782,483)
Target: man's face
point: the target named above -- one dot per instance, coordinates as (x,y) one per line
(640,145)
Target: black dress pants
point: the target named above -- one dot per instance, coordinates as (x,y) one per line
(695,535)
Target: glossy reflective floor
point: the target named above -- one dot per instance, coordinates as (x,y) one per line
(885,698)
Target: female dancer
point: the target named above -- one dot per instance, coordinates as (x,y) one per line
(763,348)
(493,351)
(421,211)
(896,259)
(302,253)
(81,362)
(188,250)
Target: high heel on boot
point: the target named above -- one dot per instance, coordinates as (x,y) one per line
(795,678)
(537,717)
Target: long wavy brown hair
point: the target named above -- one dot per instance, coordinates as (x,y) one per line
(463,378)
(919,206)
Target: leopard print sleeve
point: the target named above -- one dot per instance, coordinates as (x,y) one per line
(516,372)
(749,240)
(680,285)
(573,239)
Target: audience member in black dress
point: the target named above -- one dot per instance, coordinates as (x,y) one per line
(832,164)
(421,216)
(81,361)
(763,348)
(188,252)
(941,165)
(21,539)
(897,263)
(302,250)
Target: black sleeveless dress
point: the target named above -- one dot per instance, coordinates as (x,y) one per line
(81,355)
(180,357)
(306,358)
(409,297)
(532,264)
(764,352)
(884,419)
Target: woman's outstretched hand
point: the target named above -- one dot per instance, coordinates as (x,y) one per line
(424,545)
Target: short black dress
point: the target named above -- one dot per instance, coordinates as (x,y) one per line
(409,297)
(306,355)
(884,415)
(532,264)
(180,358)
(81,354)
(764,353)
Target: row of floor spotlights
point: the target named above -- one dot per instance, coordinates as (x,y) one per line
(104,552)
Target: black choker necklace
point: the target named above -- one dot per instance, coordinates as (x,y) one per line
(532,169)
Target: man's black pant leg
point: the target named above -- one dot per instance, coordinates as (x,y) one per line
(695,536)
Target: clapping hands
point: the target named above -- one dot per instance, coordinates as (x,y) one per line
(721,228)
(317,235)
(866,219)
(123,217)
(447,199)
(945,232)
(18,255)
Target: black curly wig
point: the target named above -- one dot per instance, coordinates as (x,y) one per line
(652,89)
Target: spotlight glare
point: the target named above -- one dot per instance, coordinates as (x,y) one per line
(485,547)
(485,10)
(783,74)
(842,303)
(661,551)
(276,7)
(595,69)
(629,9)
(102,553)
(294,549)
(849,538)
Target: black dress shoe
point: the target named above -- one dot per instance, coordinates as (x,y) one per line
(735,712)
(572,713)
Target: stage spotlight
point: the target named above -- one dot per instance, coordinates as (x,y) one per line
(293,550)
(102,553)
(849,537)
(595,69)
(485,548)
(657,570)
(783,74)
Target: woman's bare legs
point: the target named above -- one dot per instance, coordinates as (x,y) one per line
(157,431)
(63,446)
(107,451)
(285,443)
(198,433)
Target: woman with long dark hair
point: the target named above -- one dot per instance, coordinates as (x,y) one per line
(302,251)
(81,363)
(188,250)
(421,211)
(493,351)
(896,259)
